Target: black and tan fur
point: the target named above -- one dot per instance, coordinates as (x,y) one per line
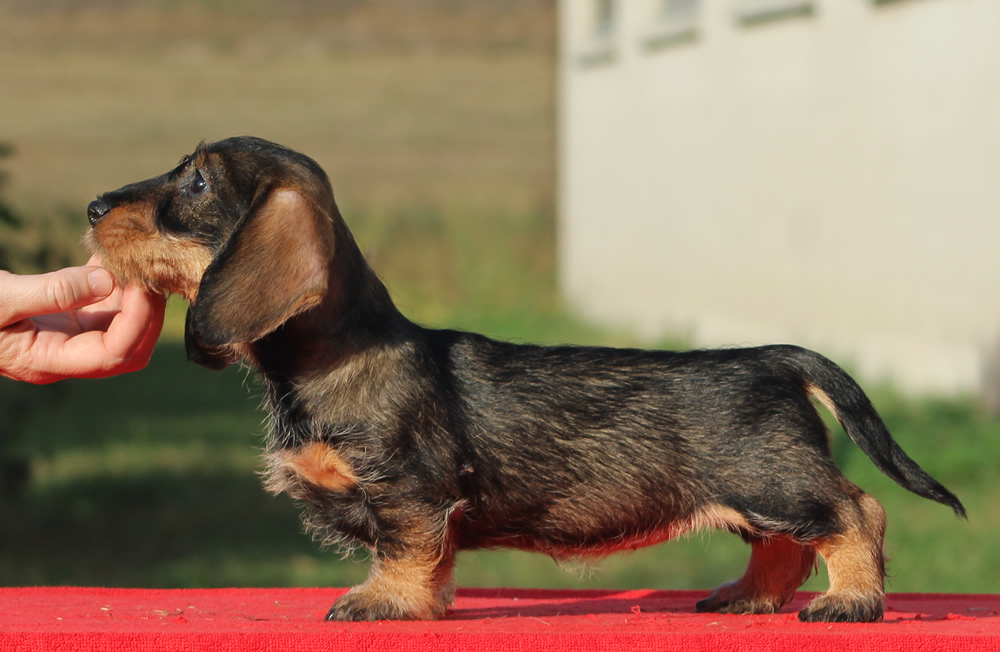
(418,443)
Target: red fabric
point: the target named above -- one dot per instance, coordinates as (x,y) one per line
(245,620)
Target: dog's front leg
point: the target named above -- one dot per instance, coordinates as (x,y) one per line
(415,584)
(411,575)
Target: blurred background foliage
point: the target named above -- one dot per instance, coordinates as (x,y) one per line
(436,122)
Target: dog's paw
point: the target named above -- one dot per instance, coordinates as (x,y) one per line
(731,599)
(744,606)
(360,604)
(833,608)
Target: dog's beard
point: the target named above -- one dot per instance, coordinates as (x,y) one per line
(160,265)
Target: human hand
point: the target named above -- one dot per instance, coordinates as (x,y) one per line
(75,323)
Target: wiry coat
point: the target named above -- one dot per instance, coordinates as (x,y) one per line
(417,443)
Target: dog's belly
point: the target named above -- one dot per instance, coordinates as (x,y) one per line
(564,538)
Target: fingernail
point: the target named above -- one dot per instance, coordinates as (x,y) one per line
(101,283)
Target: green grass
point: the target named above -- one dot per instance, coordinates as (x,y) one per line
(151,479)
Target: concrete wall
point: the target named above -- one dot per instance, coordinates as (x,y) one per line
(830,178)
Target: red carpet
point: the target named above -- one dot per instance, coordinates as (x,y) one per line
(244,620)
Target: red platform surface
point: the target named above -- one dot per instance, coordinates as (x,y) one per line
(244,620)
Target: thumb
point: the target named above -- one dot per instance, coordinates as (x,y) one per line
(22,297)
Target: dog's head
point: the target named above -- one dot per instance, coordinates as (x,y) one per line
(242,228)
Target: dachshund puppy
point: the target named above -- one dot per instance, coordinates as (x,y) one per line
(418,443)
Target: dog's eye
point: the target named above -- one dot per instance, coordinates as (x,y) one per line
(198,184)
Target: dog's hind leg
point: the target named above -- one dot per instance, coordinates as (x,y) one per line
(778,566)
(856,564)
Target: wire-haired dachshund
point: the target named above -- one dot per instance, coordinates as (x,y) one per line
(417,443)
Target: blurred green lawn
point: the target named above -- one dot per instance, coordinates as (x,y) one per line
(150,480)
(444,168)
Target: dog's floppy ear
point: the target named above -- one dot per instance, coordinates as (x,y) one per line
(274,266)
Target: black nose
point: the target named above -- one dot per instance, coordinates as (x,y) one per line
(96,210)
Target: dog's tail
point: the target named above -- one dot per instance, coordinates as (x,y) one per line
(839,393)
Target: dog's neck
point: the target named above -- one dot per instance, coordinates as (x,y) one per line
(356,314)
(331,364)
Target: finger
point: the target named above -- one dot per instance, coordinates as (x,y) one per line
(126,346)
(132,334)
(110,304)
(143,352)
(43,294)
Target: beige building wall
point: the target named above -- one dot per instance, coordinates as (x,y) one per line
(827,176)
